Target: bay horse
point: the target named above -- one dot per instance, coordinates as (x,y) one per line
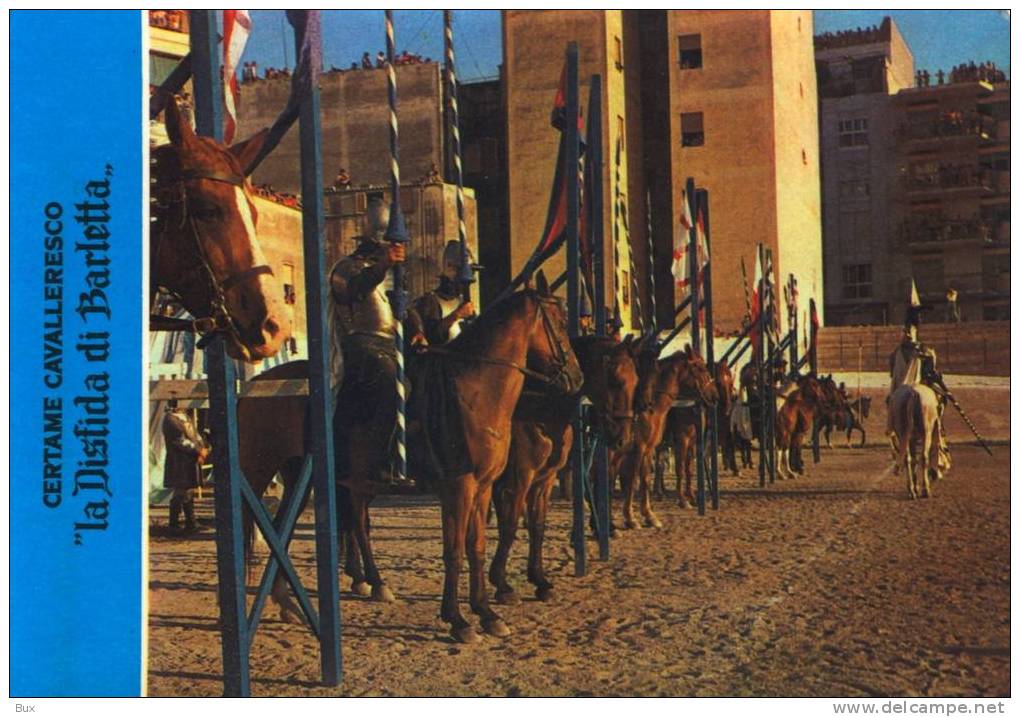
(542,436)
(795,415)
(522,334)
(914,411)
(682,375)
(204,245)
(681,431)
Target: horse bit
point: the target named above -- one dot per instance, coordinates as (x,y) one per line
(219,319)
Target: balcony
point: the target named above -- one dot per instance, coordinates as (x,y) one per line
(950,128)
(954,179)
(928,232)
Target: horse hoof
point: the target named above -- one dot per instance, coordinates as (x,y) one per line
(381,593)
(361,589)
(465,635)
(288,617)
(509,597)
(496,628)
(653,523)
(545,593)
(629,525)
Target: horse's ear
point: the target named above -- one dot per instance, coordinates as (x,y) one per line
(541,284)
(247,150)
(688,352)
(178,129)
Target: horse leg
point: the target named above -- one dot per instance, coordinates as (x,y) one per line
(651,520)
(629,477)
(479,593)
(457,498)
(349,545)
(679,463)
(509,507)
(538,508)
(926,464)
(360,502)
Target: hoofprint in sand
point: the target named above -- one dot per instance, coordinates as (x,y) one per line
(832,584)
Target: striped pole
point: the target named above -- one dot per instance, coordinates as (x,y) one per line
(653,319)
(620,226)
(396,232)
(616,238)
(467,276)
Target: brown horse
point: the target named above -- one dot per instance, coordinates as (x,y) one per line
(489,361)
(681,431)
(203,243)
(795,415)
(540,448)
(680,376)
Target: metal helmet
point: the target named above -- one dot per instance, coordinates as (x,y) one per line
(377,218)
(452,259)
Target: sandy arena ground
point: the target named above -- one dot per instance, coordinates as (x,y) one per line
(831,585)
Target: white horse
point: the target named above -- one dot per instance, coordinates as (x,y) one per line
(914,414)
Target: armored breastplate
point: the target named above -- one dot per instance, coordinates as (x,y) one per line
(447,307)
(371,314)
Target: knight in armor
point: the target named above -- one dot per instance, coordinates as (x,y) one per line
(443,310)
(364,330)
(914,363)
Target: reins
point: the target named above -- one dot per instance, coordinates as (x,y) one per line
(219,318)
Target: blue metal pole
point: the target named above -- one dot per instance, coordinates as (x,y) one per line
(761,354)
(693,265)
(601,459)
(396,232)
(320,399)
(574,297)
(208,94)
(713,414)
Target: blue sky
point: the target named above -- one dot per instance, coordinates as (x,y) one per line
(938,38)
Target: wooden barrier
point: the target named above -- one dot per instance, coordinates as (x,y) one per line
(978,348)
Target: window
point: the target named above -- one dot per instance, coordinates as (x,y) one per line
(160,67)
(690,52)
(618,53)
(692,129)
(854,189)
(853,133)
(857,281)
(621,132)
(289,290)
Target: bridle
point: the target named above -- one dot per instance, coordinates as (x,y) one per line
(219,318)
(559,379)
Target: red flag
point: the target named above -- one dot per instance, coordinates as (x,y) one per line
(755,334)
(236,28)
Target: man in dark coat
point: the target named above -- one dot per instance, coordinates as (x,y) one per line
(186,451)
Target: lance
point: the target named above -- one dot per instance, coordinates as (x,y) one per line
(747,291)
(970,425)
(466,274)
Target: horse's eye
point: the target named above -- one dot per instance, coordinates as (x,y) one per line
(206,212)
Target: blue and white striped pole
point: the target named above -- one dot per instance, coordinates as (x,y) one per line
(396,232)
(467,276)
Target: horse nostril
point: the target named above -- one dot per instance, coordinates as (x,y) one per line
(270,328)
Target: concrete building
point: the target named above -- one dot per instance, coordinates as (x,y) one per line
(950,221)
(355,125)
(168,43)
(534,47)
(857,73)
(744,124)
(726,97)
(915,181)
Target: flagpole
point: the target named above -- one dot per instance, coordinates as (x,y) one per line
(653,318)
